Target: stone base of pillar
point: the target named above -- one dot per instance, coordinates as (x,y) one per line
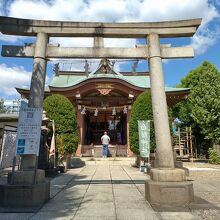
(169,193)
(177,164)
(26,177)
(167,175)
(24,192)
(168,187)
(26,198)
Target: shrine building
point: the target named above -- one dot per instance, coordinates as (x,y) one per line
(103,100)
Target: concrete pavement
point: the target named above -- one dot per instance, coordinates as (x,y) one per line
(103,189)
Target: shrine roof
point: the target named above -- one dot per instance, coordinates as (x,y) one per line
(143,82)
(105,71)
(65,81)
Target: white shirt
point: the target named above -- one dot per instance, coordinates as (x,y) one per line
(105,139)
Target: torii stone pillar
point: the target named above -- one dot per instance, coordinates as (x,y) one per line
(159,104)
(37,88)
(168,185)
(29,188)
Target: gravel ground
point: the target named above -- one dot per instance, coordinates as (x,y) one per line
(206,189)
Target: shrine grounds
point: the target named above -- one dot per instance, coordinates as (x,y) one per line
(109,188)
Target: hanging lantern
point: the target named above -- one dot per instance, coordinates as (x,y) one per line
(125,110)
(86,68)
(113,111)
(83,112)
(96,112)
(134,67)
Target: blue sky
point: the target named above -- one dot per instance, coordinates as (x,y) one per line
(16,72)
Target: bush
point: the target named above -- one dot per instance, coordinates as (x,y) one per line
(61,110)
(66,143)
(214,157)
(141,110)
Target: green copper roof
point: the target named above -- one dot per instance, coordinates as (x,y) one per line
(143,82)
(105,70)
(66,81)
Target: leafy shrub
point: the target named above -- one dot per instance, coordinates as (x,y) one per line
(141,110)
(214,156)
(61,110)
(66,143)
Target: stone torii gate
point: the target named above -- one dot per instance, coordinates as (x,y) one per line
(168,184)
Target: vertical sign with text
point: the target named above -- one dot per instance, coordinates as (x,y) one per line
(29,130)
(144,138)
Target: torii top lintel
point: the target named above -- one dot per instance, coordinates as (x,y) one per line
(27,27)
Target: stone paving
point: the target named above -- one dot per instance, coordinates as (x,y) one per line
(109,189)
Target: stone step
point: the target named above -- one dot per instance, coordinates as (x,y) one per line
(77,161)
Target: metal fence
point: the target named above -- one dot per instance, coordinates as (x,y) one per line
(8,146)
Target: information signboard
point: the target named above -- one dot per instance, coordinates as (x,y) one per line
(144,138)
(29,130)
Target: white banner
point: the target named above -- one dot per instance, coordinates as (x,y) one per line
(144,138)
(29,131)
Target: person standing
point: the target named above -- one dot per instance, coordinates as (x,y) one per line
(105,142)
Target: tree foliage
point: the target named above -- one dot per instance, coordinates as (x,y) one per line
(3,109)
(61,110)
(214,156)
(202,107)
(141,110)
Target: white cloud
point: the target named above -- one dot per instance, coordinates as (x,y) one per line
(74,42)
(207,35)
(88,42)
(204,39)
(9,38)
(119,42)
(50,10)
(112,10)
(177,10)
(12,77)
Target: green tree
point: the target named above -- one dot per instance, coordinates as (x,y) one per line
(205,98)
(3,109)
(61,110)
(201,109)
(141,110)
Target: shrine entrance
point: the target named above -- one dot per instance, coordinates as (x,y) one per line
(115,125)
(95,125)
